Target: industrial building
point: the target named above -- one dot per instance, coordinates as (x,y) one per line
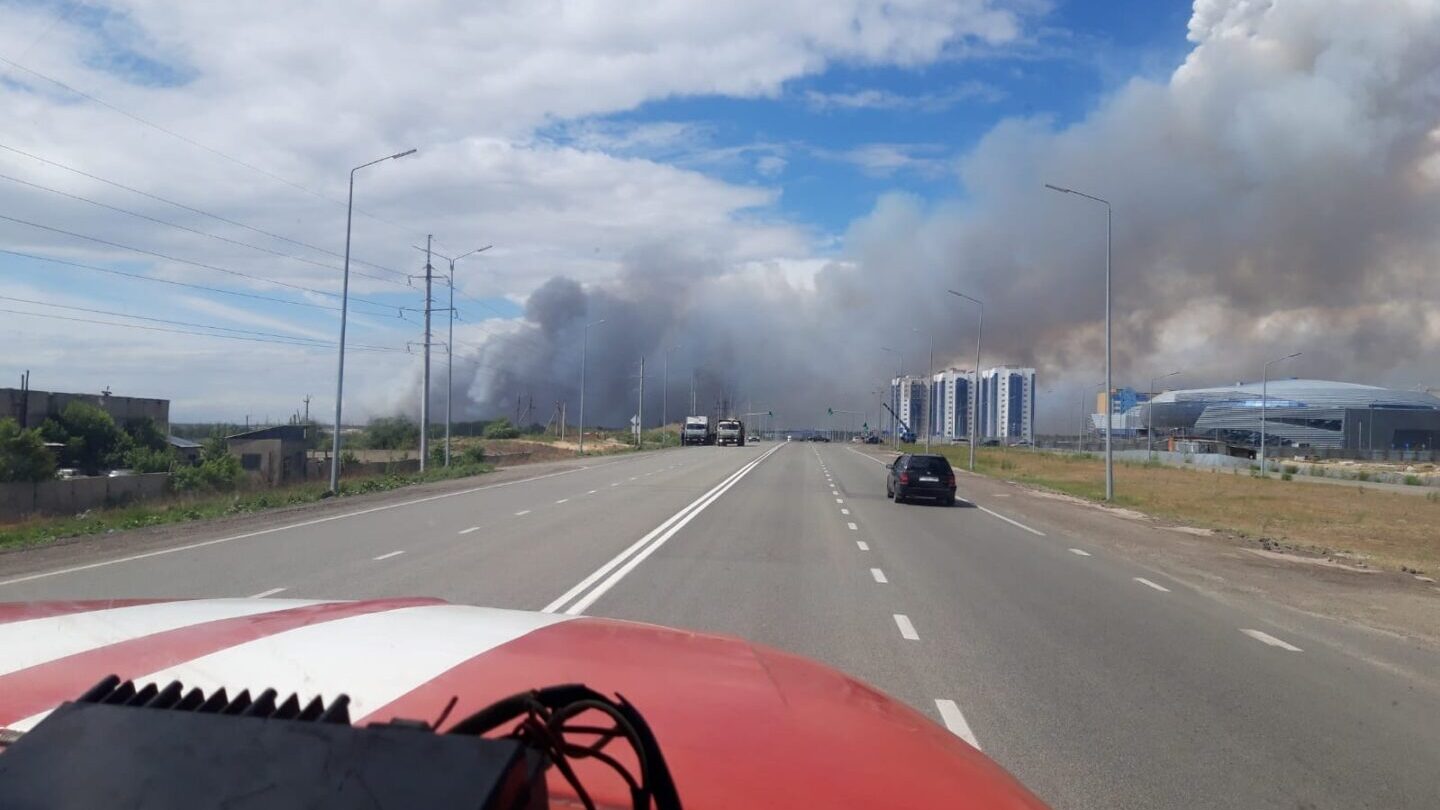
(1321,414)
(30,407)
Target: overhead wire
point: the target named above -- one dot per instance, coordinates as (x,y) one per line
(196,231)
(302,345)
(197,144)
(192,209)
(193,263)
(92,311)
(158,280)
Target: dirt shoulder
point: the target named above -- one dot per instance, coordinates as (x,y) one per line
(1228,562)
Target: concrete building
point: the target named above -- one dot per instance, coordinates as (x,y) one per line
(31,407)
(907,398)
(1300,414)
(275,455)
(1009,396)
(950,390)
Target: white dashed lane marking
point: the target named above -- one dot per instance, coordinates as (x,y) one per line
(844,511)
(263,594)
(563,500)
(1147,583)
(388,556)
(1080,552)
(955,721)
(469,530)
(522,512)
(878,575)
(1266,638)
(864,546)
(853,527)
(907,630)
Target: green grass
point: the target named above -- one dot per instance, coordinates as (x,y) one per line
(185,508)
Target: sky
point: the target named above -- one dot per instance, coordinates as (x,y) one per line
(753,196)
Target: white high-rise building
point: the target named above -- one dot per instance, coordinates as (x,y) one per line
(950,391)
(1009,411)
(907,398)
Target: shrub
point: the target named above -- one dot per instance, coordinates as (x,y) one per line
(501,429)
(23,455)
(1286,476)
(1413,481)
(149,460)
(474,454)
(1363,475)
(1290,469)
(391,433)
(221,474)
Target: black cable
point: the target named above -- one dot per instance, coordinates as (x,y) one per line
(195,231)
(318,341)
(217,269)
(186,332)
(198,145)
(97,178)
(142,277)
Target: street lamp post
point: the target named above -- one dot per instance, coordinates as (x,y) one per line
(1109,385)
(929,394)
(344,310)
(975,384)
(1264,404)
(900,376)
(584,349)
(450,348)
(1150,417)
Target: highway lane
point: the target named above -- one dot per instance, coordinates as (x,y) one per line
(1101,683)
(509,545)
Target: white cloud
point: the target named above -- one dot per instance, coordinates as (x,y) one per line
(887,159)
(877,99)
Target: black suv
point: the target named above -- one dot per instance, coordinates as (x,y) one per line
(915,476)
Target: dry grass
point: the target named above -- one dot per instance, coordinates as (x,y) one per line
(1384,529)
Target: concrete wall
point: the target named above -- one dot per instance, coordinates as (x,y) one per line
(75,495)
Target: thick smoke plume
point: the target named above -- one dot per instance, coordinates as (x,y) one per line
(1280,191)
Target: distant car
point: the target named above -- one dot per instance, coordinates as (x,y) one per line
(119,473)
(66,473)
(788,437)
(921,476)
(872,439)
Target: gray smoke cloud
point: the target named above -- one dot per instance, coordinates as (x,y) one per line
(1278,192)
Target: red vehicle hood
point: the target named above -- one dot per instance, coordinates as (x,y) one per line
(741,725)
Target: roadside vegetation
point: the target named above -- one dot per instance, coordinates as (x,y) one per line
(210,500)
(1356,524)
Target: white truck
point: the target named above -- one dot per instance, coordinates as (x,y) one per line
(730,431)
(697,430)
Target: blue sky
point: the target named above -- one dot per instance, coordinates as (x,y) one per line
(1077,53)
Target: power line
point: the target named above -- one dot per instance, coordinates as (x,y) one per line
(52,316)
(199,145)
(188,229)
(308,340)
(158,280)
(217,269)
(97,178)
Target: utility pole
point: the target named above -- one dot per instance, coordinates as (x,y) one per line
(640,411)
(307,408)
(692,392)
(425,392)
(450,343)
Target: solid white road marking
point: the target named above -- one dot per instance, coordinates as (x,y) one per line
(302,524)
(864,546)
(263,594)
(1266,638)
(955,721)
(1008,520)
(631,557)
(387,556)
(881,462)
(878,575)
(907,630)
(1080,552)
(844,511)
(853,527)
(562,500)
(1148,583)
(522,512)
(469,530)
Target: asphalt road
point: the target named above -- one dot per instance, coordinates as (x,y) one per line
(1098,682)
